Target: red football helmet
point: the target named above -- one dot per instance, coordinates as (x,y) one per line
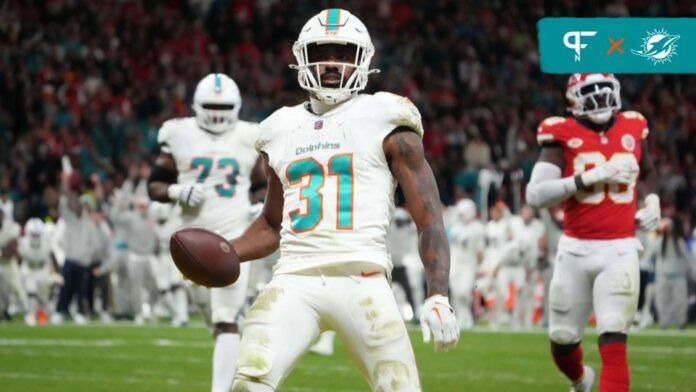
(594,95)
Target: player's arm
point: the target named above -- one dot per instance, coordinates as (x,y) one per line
(9,251)
(162,183)
(404,151)
(258,182)
(262,237)
(543,247)
(480,247)
(98,188)
(546,187)
(163,174)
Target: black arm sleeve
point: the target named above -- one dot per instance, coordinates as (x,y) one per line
(160,174)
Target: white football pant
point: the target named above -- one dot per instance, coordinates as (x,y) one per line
(603,274)
(226,302)
(291,311)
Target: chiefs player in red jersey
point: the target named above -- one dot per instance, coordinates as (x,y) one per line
(592,162)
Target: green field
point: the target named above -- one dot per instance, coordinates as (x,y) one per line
(159,358)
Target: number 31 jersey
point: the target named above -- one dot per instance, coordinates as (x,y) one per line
(222,163)
(602,211)
(337,187)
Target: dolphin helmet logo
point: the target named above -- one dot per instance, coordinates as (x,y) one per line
(659,46)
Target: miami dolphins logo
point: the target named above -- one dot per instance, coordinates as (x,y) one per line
(658,47)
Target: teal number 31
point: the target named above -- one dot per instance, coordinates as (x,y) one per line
(230,165)
(340,166)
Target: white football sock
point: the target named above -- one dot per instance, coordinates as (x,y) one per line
(224,361)
(180,301)
(167,301)
(32,304)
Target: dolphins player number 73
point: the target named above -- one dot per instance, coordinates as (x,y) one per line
(223,190)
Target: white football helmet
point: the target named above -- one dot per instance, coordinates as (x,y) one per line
(217,102)
(594,95)
(34,229)
(466,209)
(334,26)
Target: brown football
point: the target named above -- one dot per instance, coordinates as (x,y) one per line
(204,257)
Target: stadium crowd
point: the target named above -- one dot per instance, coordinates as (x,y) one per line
(94,81)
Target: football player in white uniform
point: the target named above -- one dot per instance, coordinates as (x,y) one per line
(402,238)
(9,271)
(37,267)
(468,242)
(169,280)
(494,270)
(530,236)
(206,165)
(333,165)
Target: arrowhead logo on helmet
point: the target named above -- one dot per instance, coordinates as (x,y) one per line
(333,26)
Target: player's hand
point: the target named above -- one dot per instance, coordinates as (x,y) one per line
(649,217)
(622,172)
(190,195)
(437,318)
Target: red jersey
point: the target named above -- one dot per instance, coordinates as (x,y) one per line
(604,211)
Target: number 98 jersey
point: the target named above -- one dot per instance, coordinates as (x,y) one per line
(222,163)
(604,211)
(337,186)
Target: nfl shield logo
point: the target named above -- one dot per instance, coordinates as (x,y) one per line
(319,124)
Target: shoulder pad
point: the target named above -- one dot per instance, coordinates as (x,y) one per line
(268,127)
(632,114)
(639,120)
(249,132)
(550,131)
(401,111)
(167,132)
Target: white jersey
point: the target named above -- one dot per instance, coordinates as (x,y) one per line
(498,232)
(500,244)
(8,232)
(222,163)
(467,241)
(450,217)
(402,237)
(35,254)
(164,231)
(528,237)
(337,186)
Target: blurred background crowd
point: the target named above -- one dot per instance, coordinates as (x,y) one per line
(94,80)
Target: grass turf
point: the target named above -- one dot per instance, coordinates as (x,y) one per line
(159,358)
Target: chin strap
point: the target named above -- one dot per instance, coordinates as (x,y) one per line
(320,107)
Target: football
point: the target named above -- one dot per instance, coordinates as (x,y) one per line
(204,257)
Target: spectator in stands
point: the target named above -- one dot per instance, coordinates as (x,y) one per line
(671,272)
(77,243)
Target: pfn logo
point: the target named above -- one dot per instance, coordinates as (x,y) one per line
(572,40)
